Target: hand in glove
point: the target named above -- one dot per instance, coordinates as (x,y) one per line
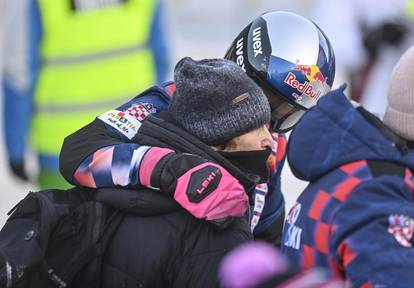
(18,170)
(203,188)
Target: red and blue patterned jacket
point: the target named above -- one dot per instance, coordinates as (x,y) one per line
(356,217)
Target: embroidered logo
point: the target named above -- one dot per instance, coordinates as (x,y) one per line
(203,182)
(139,111)
(121,121)
(402,227)
(150,107)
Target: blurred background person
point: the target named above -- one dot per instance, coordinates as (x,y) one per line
(65,61)
(259,265)
(368,37)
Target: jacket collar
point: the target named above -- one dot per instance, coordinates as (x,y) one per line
(163,131)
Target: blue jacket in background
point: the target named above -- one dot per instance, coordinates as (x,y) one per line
(357,224)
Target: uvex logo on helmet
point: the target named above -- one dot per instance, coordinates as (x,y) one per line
(239,54)
(257,41)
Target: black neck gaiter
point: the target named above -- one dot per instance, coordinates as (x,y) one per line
(250,162)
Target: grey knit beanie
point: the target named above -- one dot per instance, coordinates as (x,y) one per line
(399,115)
(216,101)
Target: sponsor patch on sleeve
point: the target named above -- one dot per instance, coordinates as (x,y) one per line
(125,123)
(259,202)
(402,228)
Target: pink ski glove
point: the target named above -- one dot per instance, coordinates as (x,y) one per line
(205,189)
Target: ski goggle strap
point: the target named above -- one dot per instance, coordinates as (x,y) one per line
(285,116)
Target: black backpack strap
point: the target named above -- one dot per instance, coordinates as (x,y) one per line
(381,167)
(399,142)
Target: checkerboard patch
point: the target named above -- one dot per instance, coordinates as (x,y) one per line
(139,111)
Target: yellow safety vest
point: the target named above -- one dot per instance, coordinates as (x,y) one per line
(410,8)
(92,61)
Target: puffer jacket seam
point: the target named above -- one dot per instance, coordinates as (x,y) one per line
(121,271)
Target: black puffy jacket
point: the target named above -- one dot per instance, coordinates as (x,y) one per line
(170,250)
(159,244)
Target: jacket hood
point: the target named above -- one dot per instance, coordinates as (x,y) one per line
(334,133)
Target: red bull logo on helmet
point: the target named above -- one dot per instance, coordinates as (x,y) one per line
(318,76)
(311,72)
(305,69)
(305,88)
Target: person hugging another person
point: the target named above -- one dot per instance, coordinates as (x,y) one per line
(217,113)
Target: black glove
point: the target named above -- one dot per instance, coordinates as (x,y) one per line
(18,170)
(384,34)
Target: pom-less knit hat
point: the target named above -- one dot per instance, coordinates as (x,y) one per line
(399,115)
(216,101)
